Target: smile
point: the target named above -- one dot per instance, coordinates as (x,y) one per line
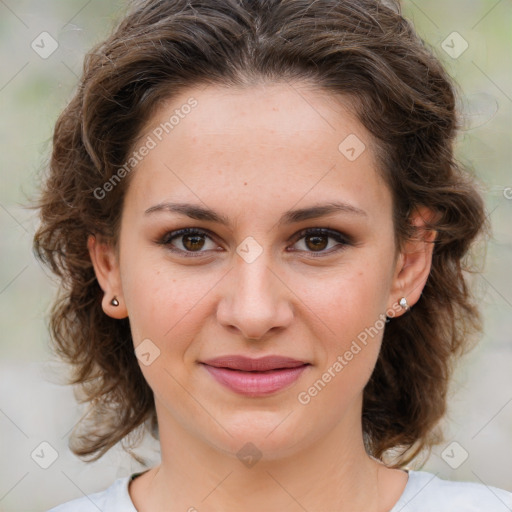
(256,383)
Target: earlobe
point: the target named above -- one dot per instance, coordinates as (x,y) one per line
(414,262)
(106,268)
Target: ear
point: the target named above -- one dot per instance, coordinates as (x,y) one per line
(106,267)
(414,261)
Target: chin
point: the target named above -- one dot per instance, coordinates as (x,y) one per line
(260,435)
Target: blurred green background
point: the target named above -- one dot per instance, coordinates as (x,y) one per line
(35,408)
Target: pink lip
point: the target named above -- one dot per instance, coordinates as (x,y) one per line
(256,383)
(249,364)
(255,377)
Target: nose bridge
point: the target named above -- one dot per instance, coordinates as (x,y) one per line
(255,280)
(255,299)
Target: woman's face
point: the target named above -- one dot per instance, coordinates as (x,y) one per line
(248,281)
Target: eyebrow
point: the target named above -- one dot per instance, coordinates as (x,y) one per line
(199,212)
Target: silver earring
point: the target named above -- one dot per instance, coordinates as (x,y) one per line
(404,304)
(114,302)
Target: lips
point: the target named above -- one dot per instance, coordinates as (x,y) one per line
(255,377)
(248,364)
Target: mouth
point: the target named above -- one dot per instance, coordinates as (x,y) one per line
(248,364)
(259,377)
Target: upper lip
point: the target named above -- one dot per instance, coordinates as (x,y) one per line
(249,364)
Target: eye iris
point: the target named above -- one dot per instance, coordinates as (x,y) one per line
(317,244)
(194,242)
(197,239)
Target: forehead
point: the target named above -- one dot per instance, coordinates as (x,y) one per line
(264,143)
(276,109)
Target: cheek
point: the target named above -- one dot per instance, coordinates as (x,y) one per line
(163,301)
(345,366)
(149,291)
(350,348)
(355,298)
(353,316)
(163,307)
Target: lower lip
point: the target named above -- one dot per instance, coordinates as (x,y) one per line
(256,383)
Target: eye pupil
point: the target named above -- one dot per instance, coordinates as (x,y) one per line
(193,240)
(316,244)
(197,239)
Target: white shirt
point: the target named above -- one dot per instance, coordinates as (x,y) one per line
(424,492)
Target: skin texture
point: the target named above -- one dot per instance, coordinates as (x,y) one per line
(251,155)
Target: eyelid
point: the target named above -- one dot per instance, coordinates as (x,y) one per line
(165,240)
(342,238)
(328,232)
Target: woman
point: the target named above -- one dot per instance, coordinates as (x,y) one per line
(261,232)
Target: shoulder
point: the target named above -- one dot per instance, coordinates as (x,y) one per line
(425,492)
(115,498)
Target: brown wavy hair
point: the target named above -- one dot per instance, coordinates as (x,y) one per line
(365,51)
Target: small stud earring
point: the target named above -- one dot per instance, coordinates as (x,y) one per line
(404,304)
(114,302)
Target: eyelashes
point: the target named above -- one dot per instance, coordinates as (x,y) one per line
(191,233)
(194,237)
(322,233)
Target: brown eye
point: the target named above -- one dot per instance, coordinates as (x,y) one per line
(192,242)
(316,240)
(187,241)
(316,243)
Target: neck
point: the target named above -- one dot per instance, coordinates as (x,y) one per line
(319,474)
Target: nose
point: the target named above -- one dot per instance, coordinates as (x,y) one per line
(255,299)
